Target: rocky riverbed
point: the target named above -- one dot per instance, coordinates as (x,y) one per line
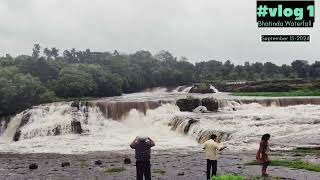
(170,164)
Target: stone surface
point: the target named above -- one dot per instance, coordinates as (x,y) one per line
(98,162)
(57,130)
(17,135)
(201,88)
(211,104)
(173,162)
(32,166)
(127,161)
(76,127)
(65,164)
(188,104)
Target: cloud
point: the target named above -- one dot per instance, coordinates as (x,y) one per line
(199,30)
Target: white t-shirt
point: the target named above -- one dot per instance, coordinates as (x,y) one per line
(211,148)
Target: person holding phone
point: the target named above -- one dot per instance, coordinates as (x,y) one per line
(211,147)
(142,146)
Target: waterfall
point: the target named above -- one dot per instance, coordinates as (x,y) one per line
(55,119)
(192,127)
(186,90)
(215,90)
(111,124)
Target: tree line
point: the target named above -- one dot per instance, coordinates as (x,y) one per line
(49,74)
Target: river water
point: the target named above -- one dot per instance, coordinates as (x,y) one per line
(110,124)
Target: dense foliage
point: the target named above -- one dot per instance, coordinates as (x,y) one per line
(28,80)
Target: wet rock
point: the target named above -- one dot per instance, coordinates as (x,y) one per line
(205,135)
(316,121)
(127,161)
(4,121)
(188,104)
(76,127)
(211,104)
(57,130)
(65,164)
(25,118)
(182,123)
(33,166)
(190,122)
(201,88)
(17,135)
(75,104)
(98,162)
(200,109)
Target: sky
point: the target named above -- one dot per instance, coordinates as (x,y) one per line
(200,30)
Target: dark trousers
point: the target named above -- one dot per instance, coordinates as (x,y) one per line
(143,169)
(211,164)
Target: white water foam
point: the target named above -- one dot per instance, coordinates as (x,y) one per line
(289,126)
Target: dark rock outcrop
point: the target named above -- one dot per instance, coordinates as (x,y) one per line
(127,161)
(33,166)
(76,127)
(188,104)
(25,118)
(204,135)
(98,162)
(201,88)
(211,104)
(4,121)
(182,123)
(65,164)
(75,104)
(57,130)
(17,135)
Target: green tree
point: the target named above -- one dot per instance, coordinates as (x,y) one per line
(36,50)
(73,82)
(20,91)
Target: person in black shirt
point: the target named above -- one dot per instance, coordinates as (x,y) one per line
(142,146)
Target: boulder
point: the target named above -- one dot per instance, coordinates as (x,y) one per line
(33,166)
(211,104)
(190,122)
(127,161)
(57,130)
(65,164)
(17,135)
(200,109)
(25,118)
(75,104)
(98,162)
(204,135)
(76,127)
(201,88)
(188,104)
(182,123)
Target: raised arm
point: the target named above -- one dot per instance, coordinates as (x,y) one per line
(133,145)
(151,142)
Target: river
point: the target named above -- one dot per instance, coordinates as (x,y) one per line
(110,124)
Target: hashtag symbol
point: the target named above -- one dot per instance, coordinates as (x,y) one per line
(262,11)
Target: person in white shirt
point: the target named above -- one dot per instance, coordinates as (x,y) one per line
(211,147)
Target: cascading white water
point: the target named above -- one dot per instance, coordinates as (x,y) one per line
(215,90)
(186,90)
(241,125)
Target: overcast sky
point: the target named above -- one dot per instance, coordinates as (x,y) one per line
(198,29)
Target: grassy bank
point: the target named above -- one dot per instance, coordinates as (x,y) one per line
(306,151)
(278,94)
(297,164)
